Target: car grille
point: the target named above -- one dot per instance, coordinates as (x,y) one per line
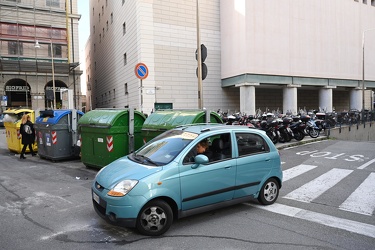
(99,207)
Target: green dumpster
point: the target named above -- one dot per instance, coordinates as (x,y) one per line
(108,134)
(163,120)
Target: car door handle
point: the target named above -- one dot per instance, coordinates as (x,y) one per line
(228,167)
(268,159)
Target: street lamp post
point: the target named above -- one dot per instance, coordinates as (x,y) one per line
(363,70)
(37,46)
(53,78)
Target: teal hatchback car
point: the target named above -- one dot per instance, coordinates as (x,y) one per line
(171,177)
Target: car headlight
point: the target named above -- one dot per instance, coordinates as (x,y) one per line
(122,188)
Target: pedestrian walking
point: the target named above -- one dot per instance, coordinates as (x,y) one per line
(28,135)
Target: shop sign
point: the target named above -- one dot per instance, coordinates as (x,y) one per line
(57,88)
(17,88)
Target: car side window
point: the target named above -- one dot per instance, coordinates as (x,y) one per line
(201,147)
(219,148)
(248,143)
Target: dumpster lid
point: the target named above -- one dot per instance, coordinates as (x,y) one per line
(53,116)
(17,111)
(168,119)
(104,117)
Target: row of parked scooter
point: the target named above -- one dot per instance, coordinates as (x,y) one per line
(280,128)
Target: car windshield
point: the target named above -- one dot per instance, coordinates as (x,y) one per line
(164,148)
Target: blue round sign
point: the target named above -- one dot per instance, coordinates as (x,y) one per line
(141,71)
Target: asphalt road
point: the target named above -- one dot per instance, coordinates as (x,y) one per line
(46,205)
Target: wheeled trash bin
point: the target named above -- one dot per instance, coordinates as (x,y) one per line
(163,120)
(12,124)
(57,135)
(108,134)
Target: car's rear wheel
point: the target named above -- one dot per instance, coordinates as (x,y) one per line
(269,192)
(155,218)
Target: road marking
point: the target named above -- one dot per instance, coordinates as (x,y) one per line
(366,164)
(362,200)
(296,171)
(327,220)
(318,186)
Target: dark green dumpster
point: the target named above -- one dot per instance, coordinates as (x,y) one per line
(108,134)
(163,120)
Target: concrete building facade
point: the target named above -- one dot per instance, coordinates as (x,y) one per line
(267,55)
(39,53)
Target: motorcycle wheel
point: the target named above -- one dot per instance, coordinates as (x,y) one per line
(298,135)
(284,138)
(288,137)
(281,139)
(314,133)
(274,138)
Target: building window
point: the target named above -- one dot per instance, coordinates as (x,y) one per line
(124,28)
(100,38)
(126,89)
(103,32)
(372,2)
(106,3)
(114,93)
(93,28)
(111,17)
(93,11)
(125,59)
(94,47)
(53,3)
(107,26)
(103,10)
(99,17)
(57,50)
(365,1)
(15,48)
(123,1)
(54,33)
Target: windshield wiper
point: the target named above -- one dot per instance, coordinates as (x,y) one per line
(145,158)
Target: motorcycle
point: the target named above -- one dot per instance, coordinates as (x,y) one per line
(284,132)
(311,128)
(298,128)
(269,128)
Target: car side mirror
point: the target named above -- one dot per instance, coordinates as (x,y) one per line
(200,159)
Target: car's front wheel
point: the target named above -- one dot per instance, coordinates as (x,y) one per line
(269,192)
(155,218)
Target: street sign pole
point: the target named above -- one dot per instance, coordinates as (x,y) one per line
(199,59)
(141,89)
(141,72)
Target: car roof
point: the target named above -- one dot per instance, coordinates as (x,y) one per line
(202,128)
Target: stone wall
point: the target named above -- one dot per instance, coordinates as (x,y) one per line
(356,132)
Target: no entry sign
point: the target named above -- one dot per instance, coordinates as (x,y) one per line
(141,71)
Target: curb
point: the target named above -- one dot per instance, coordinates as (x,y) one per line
(297,143)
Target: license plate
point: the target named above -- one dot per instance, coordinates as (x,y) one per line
(95,197)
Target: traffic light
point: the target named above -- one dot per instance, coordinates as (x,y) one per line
(203,57)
